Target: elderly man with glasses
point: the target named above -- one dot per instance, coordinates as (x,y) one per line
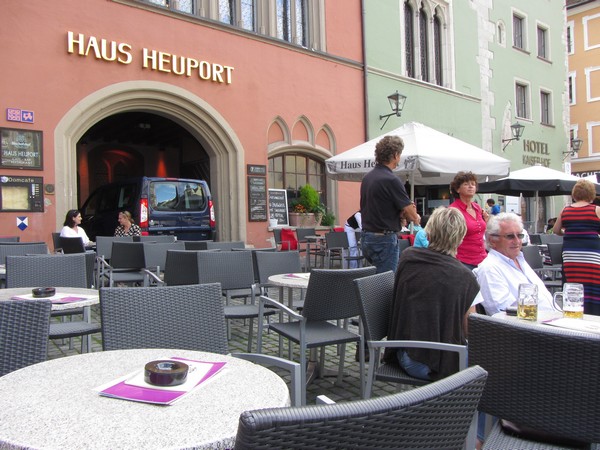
(504,268)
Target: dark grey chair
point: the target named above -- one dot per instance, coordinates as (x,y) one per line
(276,263)
(540,376)
(195,245)
(235,272)
(330,296)
(127,265)
(71,245)
(181,268)
(224,246)
(437,416)
(338,248)
(156,238)
(104,245)
(21,249)
(551,238)
(177,317)
(253,251)
(56,270)
(551,276)
(375,294)
(555,252)
(181,317)
(10,239)
(24,328)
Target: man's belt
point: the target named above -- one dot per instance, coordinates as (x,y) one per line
(382,232)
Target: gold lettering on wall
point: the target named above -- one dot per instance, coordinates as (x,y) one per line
(120,52)
(535,152)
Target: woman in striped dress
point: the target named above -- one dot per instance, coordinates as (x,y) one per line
(580,225)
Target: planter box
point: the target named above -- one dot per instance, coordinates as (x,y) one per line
(304,220)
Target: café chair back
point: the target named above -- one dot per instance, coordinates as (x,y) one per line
(540,376)
(434,417)
(181,267)
(375,294)
(156,238)
(178,317)
(195,245)
(555,252)
(104,245)
(24,331)
(225,245)
(276,263)
(71,245)
(21,249)
(551,238)
(9,239)
(330,296)
(56,241)
(550,275)
(254,251)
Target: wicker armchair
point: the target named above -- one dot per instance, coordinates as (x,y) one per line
(24,327)
(436,416)
(540,377)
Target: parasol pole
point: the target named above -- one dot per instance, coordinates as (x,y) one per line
(537,205)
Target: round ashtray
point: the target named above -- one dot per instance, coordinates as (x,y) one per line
(165,373)
(43,292)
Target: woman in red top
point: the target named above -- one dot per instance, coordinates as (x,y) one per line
(472,250)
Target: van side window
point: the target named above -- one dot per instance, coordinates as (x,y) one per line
(127,195)
(163,196)
(193,198)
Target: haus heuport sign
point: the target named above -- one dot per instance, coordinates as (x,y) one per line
(21,149)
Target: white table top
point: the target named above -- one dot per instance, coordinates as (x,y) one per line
(92,296)
(53,404)
(290,280)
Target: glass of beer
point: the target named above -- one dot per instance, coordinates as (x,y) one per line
(527,306)
(572,300)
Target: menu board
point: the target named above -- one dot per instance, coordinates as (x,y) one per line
(21,149)
(278,206)
(257,199)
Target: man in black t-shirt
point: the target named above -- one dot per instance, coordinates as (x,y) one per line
(382,200)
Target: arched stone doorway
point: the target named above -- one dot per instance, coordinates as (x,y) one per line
(200,119)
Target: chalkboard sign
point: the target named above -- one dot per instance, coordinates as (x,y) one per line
(21,149)
(278,208)
(257,199)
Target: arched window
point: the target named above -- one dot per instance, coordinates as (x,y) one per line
(409,30)
(291,171)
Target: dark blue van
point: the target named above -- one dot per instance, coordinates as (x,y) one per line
(160,206)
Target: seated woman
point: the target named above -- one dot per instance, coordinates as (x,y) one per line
(71,227)
(433,297)
(127,226)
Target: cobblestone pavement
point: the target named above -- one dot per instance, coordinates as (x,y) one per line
(348,389)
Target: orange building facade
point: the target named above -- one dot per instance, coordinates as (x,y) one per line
(106,89)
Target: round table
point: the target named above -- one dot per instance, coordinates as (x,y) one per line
(89,297)
(54,405)
(291,281)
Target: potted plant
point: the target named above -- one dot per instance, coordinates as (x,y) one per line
(308,210)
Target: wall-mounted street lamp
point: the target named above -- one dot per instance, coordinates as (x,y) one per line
(397,104)
(517,131)
(575,147)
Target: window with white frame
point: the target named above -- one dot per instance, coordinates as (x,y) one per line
(501,34)
(592,83)
(291,21)
(542,42)
(240,13)
(570,38)
(522,100)
(572,88)
(291,171)
(593,137)
(519,30)
(545,108)
(591,35)
(426,28)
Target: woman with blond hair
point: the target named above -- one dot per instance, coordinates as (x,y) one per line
(127,226)
(580,225)
(433,295)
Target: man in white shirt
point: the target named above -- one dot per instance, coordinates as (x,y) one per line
(501,272)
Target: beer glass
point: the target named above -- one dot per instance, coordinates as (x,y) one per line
(527,306)
(572,300)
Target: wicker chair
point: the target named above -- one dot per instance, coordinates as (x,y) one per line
(127,265)
(437,416)
(540,377)
(375,294)
(330,296)
(60,271)
(24,327)
(155,254)
(175,317)
(275,263)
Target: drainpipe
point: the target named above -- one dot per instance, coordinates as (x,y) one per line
(364,56)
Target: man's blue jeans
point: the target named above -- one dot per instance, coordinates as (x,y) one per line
(412,367)
(381,250)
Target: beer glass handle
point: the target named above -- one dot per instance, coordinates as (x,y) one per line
(555,304)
